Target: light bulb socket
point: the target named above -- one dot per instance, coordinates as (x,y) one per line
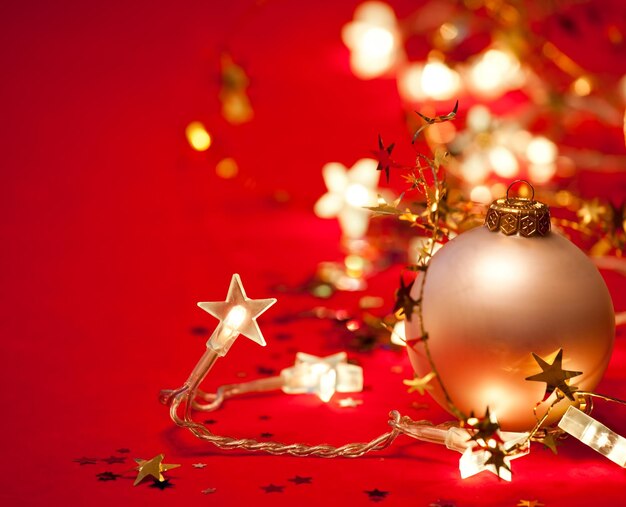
(518,215)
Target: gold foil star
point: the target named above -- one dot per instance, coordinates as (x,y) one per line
(592,212)
(152,467)
(249,310)
(529,503)
(420,384)
(497,458)
(550,442)
(485,427)
(555,376)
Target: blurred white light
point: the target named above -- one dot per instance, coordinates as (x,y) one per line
(481,194)
(541,173)
(495,72)
(410,83)
(439,81)
(503,162)
(479,118)
(475,168)
(541,150)
(398,335)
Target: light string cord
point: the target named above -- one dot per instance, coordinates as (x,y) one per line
(185,396)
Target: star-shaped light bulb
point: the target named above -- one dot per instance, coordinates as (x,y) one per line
(237,316)
(594,434)
(485,454)
(322,376)
(349,193)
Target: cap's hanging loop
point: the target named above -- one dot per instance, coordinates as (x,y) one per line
(518,215)
(532,189)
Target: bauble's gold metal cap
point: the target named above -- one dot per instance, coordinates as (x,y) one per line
(518,215)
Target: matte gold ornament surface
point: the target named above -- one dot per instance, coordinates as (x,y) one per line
(490,301)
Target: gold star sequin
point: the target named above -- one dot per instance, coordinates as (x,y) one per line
(592,212)
(420,384)
(152,467)
(555,376)
(529,503)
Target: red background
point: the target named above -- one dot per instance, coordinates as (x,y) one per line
(112,230)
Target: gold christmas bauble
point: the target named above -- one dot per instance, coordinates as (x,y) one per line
(494,295)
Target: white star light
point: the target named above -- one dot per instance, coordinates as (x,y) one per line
(322,376)
(237,316)
(349,192)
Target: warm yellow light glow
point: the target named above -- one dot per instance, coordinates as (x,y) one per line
(410,83)
(582,86)
(448,31)
(439,81)
(227,168)
(541,150)
(475,168)
(479,118)
(495,72)
(594,434)
(355,264)
(198,137)
(235,317)
(541,173)
(481,194)
(503,162)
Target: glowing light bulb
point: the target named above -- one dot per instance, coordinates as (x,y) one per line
(479,118)
(495,72)
(541,151)
(439,81)
(410,83)
(198,137)
(357,195)
(237,316)
(503,162)
(349,192)
(475,168)
(594,434)
(541,173)
(372,38)
(322,376)
(482,194)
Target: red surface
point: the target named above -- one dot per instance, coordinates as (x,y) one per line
(112,230)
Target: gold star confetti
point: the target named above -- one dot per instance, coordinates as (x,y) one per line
(497,458)
(484,428)
(420,385)
(350,403)
(592,212)
(152,467)
(550,442)
(555,376)
(529,503)
(237,300)
(199,465)
(404,302)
